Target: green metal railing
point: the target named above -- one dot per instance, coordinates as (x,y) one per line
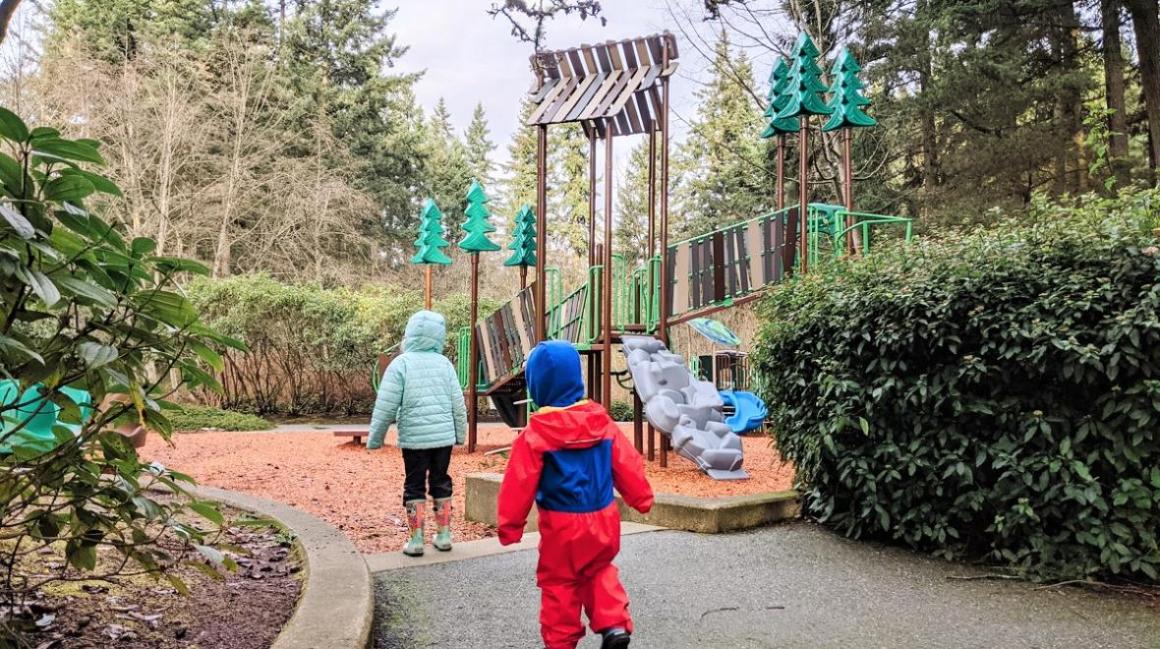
(636,292)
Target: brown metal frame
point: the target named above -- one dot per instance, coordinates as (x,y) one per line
(611,90)
(473,368)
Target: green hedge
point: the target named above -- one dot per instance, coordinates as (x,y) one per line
(188,417)
(311,349)
(992,395)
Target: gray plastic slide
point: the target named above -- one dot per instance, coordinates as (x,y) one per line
(688,410)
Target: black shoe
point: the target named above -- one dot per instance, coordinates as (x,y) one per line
(615,639)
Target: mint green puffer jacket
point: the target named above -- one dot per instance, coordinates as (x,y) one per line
(420,391)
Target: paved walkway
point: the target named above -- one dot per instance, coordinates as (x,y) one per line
(791,586)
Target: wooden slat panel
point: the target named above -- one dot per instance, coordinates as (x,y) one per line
(572,81)
(485,351)
(552,97)
(754,248)
(720,266)
(679,297)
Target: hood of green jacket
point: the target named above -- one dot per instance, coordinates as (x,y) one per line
(426,332)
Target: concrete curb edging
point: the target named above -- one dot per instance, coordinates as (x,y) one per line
(336,607)
(704,515)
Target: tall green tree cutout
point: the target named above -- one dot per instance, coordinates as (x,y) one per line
(523,245)
(478,224)
(429,246)
(804,83)
(846,99)
(778,98)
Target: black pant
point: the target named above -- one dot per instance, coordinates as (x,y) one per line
(426,473)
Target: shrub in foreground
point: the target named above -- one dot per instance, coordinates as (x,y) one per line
(188,417)
(992,396)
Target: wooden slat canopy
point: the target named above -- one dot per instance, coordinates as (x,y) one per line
(613,86)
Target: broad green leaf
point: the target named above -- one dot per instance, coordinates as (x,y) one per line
(178,265)
(42,286)
(69,150)
(142,246)
(86,289)
(97,355)
(71,188)
(101,183)
(865,425)
(11,175)
(211,358)
(15,219)
(44,133)
(209,512)
(17,347)
(12,127)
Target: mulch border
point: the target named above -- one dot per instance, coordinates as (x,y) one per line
(336,608)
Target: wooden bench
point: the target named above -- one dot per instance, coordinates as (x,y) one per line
(357,435)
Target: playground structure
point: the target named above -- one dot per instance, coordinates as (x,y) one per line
(620,89)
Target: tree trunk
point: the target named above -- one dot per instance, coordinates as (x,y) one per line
(1071,105)
(7,10)
(1114,85)
(1146,22)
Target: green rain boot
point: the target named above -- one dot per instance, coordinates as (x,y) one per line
(442,540)
(415,511)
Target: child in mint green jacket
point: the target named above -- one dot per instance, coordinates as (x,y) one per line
(420,393)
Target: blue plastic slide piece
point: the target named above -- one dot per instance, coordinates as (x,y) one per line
(749,411)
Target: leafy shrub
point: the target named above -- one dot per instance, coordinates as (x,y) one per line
(621,411)
(990,395)
(84,308)
(310,349)
(193,417)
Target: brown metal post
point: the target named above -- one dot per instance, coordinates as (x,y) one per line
(804,194)
(662,332)
(592,199)
(473,367)
(606,353)
(848,187)
(540,297)
(651,247)
(779,193)
(637,422)
(428,287)
(523,277)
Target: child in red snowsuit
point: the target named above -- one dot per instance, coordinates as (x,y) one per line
(567,461)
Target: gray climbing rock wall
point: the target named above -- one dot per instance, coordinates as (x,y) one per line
(686,409)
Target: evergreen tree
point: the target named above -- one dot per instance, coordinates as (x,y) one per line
(778,97)
(480,147)
(632,207)
(523,245)
(478,224)
(721,165)
(805,85)
(568,160)
(446,170)
(115,30)
(520,187)
(337,52)
(430,243)
(846,98)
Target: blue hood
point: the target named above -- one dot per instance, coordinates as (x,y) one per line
(553,374)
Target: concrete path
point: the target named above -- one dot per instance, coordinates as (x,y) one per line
(793,586)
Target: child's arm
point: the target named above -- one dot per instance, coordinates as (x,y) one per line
(628,475)
(517,493)
(458,409)
(387,403)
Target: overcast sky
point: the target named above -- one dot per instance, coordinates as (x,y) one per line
(469,57)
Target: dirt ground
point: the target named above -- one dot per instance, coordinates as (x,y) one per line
(360,491)
(245,609)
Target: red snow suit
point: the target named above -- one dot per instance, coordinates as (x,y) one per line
(567,460)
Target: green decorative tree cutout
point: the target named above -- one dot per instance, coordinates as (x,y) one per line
(429,246)
(523,245)
(846,99)
(478,224)
(804,83)
(778,84)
